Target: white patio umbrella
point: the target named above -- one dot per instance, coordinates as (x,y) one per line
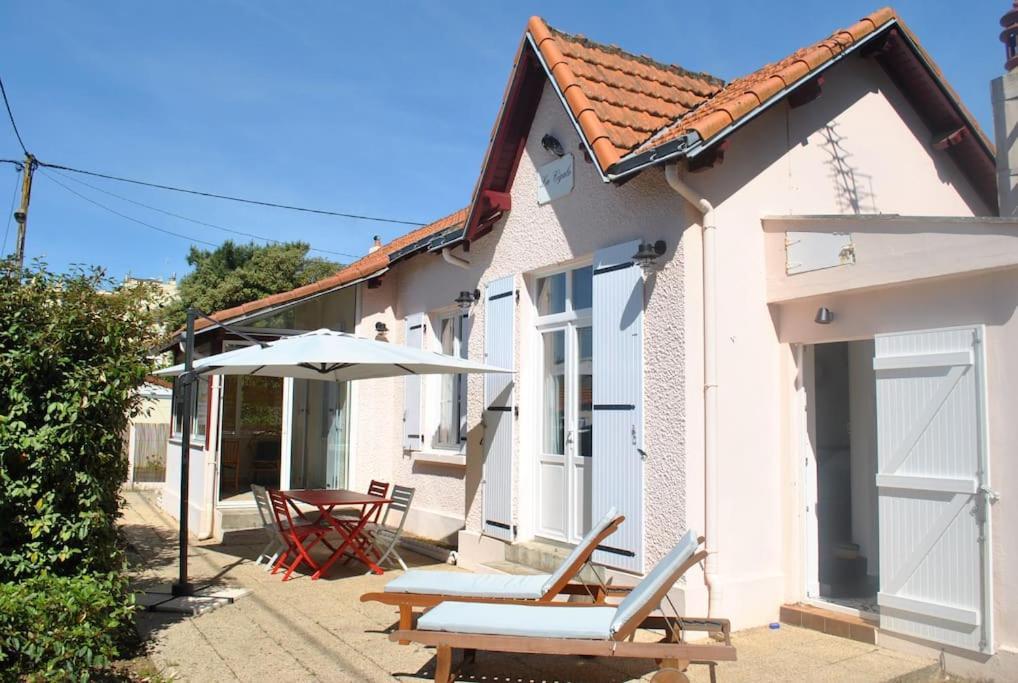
(331,356)
(319,355)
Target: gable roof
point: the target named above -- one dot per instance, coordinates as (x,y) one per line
(630,97)
(372,265)
(632,112)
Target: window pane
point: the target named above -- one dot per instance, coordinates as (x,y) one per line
(583,288)
(261,407)
(554,417)
(585,399)
(231,390)
(178,405)
(551,294)
(201,409)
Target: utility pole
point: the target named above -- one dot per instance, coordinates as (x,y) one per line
(21,215)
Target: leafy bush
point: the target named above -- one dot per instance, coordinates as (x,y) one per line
(72,356)
(71,359)
(62,628)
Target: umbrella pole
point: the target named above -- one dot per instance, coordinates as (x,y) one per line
(187,379)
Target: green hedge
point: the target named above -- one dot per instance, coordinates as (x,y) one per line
(62,628)
(73,352)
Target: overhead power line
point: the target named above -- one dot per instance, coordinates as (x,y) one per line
(243,200)
(127,217)
(10,115)
(194,220)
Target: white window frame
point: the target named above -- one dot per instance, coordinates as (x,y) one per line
(432,388)
(568,321)
(176,433)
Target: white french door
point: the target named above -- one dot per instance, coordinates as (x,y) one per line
(566,430)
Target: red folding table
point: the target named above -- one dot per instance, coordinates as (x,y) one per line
(326,500)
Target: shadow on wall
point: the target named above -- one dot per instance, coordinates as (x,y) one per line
(475,467)
(853,190)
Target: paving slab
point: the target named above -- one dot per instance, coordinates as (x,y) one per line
(305,630)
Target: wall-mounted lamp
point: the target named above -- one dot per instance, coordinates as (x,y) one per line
(466,299)
(551,144)
(824,316)
(647,255)
(382,329)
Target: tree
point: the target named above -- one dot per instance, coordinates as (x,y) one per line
(235,274)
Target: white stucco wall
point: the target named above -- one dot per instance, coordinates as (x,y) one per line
(857,149)
(533,237)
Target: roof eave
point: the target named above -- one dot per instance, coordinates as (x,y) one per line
(272,310)
(691,144)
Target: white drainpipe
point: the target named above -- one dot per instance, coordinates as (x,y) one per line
(710,385)
(452,259)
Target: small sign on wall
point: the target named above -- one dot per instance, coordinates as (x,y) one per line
(555,179)
(809,251)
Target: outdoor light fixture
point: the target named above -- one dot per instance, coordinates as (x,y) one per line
(466,299)
(551,143)
(824,316)
(647,255)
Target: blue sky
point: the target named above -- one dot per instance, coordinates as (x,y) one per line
(372,108)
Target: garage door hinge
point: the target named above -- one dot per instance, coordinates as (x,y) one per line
(991,495)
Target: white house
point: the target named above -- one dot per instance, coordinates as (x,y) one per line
(811,361)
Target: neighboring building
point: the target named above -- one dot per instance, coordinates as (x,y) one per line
(816,369)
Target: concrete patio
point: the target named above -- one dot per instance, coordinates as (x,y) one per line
(319,631)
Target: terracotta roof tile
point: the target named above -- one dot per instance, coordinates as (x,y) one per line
(744,95)
(363,267)
(619,99)
(628,103)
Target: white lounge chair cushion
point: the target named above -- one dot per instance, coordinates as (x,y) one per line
(661,574)
(582,547)
(535,621)
(469,585)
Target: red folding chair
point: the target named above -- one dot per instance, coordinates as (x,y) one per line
(375,488)
(295,536)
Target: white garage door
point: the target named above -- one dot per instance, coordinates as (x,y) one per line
(931,478)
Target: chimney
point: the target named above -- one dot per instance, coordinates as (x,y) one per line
(1004,92)
(377,244)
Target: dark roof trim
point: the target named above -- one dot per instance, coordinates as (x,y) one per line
(519,104)
(429,243)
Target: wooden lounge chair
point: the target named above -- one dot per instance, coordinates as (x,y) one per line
(422,589)
(564,628)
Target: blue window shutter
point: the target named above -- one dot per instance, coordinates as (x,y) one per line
(618,403)
(499,316)
(412,428)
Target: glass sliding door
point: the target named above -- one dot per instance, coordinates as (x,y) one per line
(250,449)
(320,435)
